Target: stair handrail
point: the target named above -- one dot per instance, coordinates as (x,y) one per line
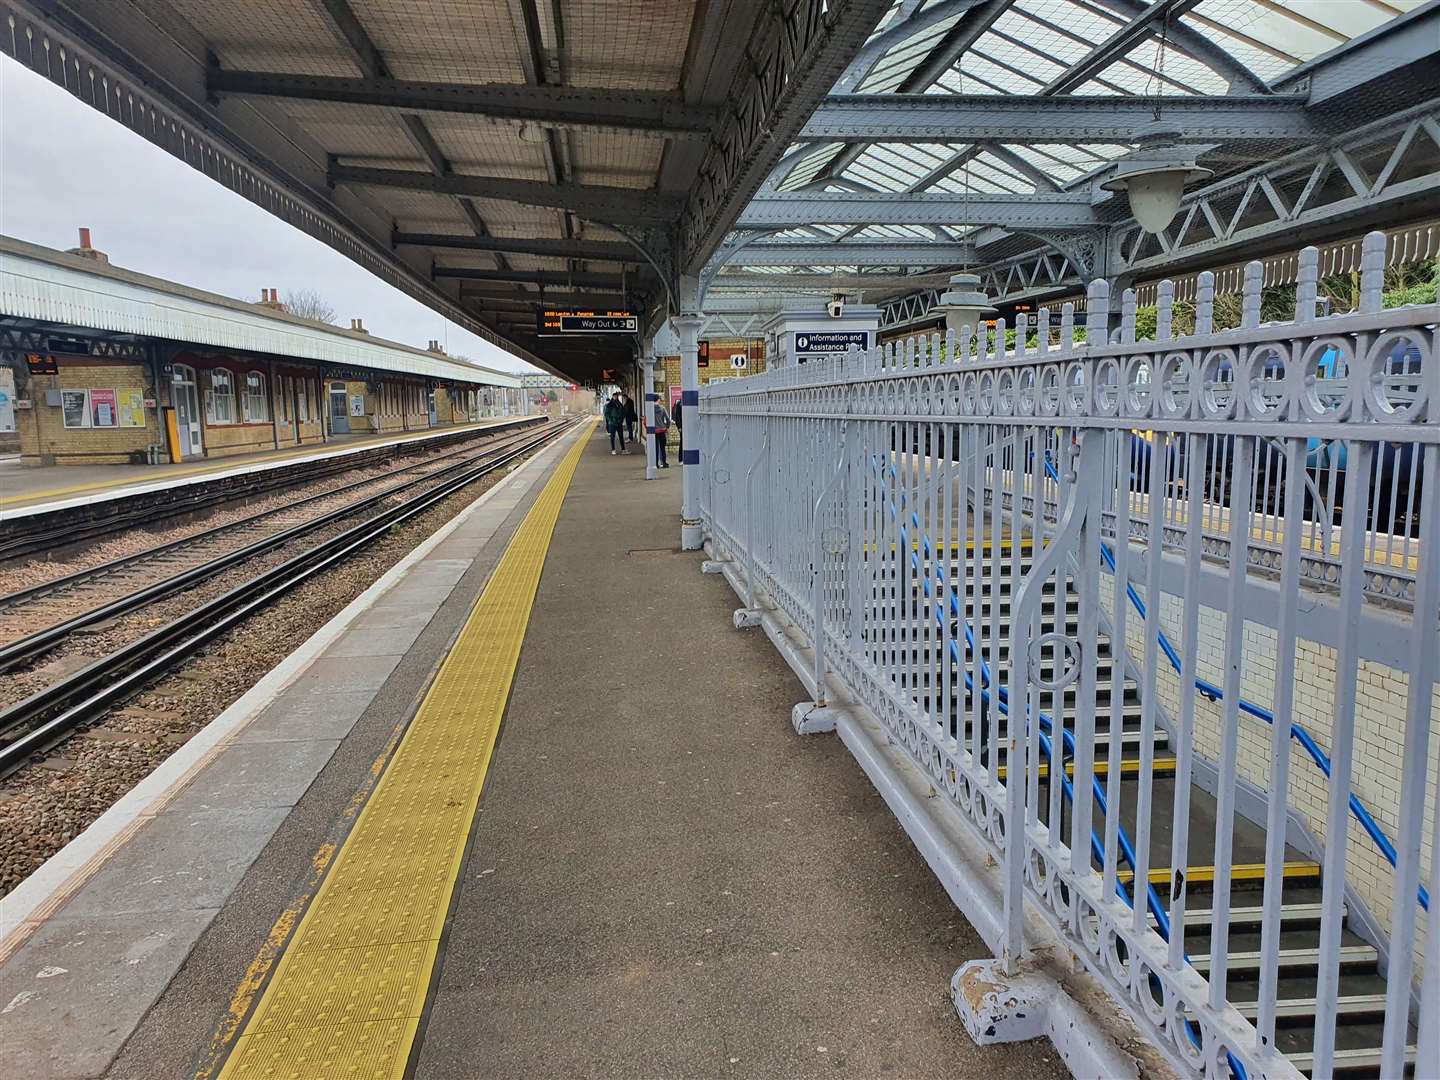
(1209,690)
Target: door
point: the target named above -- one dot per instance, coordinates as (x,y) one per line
(187,411)
(430,404)
(339,410)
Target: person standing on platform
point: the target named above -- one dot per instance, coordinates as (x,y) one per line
(662,432)
(630,417)
(679,427)
(615,422)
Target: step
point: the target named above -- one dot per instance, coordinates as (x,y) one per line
(1250,961)
(1362,1058)
(1294,1008)
(1164,766)
(1204,875)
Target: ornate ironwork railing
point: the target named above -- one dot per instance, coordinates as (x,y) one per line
(1161,619)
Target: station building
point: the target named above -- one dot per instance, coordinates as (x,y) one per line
(107,366)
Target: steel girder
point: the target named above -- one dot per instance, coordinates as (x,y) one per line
(797,50)
(932,118)
(606,204)
(607,250)
(580,108)
(480,294)
(1042,210)
(920,253)
(577,279)
(762,283)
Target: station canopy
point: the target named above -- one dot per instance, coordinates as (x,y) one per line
(498,158)
(966,131)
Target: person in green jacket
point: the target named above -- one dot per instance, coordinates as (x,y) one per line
(615,422)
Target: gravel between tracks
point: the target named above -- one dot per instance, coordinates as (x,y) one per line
(47,803)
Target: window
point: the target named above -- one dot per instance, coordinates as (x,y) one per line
(257,405)
(220,400)
(303,401)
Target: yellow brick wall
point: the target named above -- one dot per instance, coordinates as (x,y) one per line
(720,352)
(42,432)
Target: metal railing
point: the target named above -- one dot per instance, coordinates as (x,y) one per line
(1096,589)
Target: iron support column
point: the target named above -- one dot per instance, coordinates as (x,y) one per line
(687,327)
(648,364)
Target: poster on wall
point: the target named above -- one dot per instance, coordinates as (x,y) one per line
(103,410)
(132,408)
(72,406)
(357,405)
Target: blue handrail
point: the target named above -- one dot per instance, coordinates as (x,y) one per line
(1297,732)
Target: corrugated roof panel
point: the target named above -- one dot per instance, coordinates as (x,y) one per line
(270,35)
(474,41)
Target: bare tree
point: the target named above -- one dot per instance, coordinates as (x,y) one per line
(308,304)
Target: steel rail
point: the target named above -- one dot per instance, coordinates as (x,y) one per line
(23,543)
(30,592)
(42,640)
(134,665)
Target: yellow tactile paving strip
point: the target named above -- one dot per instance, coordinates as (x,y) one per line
(346,997)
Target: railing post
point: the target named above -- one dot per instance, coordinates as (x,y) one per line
(763,454)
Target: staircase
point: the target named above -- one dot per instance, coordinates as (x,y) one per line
(983,589)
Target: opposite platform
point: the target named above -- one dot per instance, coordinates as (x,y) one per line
(28,489)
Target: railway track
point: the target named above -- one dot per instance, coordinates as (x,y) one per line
(22,537)
(154,573)
(47,717)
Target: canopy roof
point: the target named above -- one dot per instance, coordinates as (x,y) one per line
(933,67)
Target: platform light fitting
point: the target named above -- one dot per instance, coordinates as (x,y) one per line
(1154,175)
(964,303)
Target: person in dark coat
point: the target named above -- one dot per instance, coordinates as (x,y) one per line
(662,433)
(615,422)
(630,416)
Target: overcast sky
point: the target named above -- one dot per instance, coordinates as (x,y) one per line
(64,165)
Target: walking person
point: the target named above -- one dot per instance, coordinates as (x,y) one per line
(630,416)
(662,432)
(615,422)
(679,428)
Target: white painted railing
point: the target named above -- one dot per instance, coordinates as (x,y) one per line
(942,524)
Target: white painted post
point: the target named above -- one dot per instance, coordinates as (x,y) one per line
(688,328)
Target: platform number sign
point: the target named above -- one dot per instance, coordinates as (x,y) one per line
(739,361)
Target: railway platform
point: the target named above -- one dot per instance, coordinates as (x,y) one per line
(528,807)
(32,489)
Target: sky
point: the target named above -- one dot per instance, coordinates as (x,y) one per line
(64,165)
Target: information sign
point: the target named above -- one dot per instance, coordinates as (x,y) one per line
(72,408)
(555,322)
(829,342)
(41,364)
(132,408)
(104,411)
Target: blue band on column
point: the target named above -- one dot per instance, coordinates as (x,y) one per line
(689,457)
(689,397)
(652,397)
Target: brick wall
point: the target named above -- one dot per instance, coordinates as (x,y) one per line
(44,438)
(720,353)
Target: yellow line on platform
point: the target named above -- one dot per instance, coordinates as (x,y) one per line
(10,502)
(347,995)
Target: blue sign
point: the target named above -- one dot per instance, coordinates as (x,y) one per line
(829,342)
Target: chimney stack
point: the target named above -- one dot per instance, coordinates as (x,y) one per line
(86,251)
(434,346)
(270,298)
(358,325)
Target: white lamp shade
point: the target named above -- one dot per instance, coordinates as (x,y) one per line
(1155,196)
